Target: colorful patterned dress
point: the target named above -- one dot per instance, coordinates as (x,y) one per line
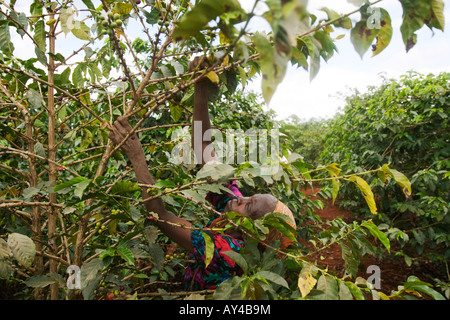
(221,267)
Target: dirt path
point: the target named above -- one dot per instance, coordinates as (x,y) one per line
(394,271)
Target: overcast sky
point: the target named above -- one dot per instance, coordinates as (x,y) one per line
(296,94)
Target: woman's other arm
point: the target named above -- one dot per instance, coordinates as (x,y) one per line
(179,233)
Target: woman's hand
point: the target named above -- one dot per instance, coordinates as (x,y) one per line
(120,130)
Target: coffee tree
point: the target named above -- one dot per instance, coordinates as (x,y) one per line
(410,115)
(72,221)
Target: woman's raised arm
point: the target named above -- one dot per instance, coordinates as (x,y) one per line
(179,233)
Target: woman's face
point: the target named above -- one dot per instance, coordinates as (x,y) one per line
(253,207)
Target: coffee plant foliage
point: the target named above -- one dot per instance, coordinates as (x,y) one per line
(72,223)
(403,123)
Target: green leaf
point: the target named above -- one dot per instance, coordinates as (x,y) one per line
(362,37)
(89,4)
(209,248)
(22,247)
(122,8)
(108,252)
(229,289)
(79,189)
(314,65)
(39,34)
(22,20)
(413,283)
(328,286)
(5,39)
(282,223)
(41,281)
(334,171)
(81,31)
(265,50)
(194,195)
(272,63)
(176,112)
(239,259)
(437,15)
(273,277)
(355,290)
(377,233)
(5,251)
(36,9)
(402,181)
(6,269)
(383,175)
(126,254)
(414,15)
(77,75)
(66,17)
(335,188)
(65,77)
(30,192)
(151,17)
(351,259)
(87,137)
(215,170)
(193,21)
(89,272)
(384,34)
(69,183)
(34,98)
(57,57)
(179,68)
(40,55)
(344,291)
(366,191)
(122,187)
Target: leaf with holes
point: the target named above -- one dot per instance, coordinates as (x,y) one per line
(384,34)
(362,37)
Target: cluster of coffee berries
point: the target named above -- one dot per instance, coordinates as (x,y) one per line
(111,22)
(113,294)
(115,211)
(99,227)
(181,255)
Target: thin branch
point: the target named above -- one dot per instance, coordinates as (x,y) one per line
(22,203)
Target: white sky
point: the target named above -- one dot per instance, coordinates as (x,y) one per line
(296,94)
